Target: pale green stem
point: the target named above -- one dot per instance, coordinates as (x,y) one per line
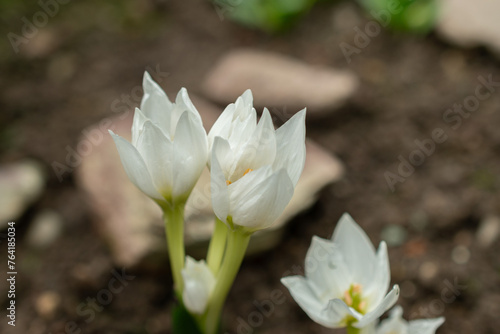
(217,246)
(174,230)
(353,330)
(236,246)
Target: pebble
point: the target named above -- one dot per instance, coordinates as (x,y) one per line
(45,229)
(278,81)
(470,23)
(428,270)
(21,183)
(460,254)
(488,231)
(47,303)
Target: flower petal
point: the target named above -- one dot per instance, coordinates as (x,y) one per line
(357,249)
(325,269)
(155,104)
(218,186)
(381,276)
(425,326)
(395,323)
(135,167)
(199,283)
(389,300)
(190,152)
(222,125)
(138,125)
(183,103)
(305,297)
(259,205)
(157,151)
(291,149)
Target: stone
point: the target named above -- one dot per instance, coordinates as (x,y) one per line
(21,184)
(470,23)
(46,304)
(279,82)
(132,223)
(488,231)
(45,229)
(393,235)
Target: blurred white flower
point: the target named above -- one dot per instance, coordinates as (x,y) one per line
(345,281)
(199,283)
(254,167)
(395,324)
(169,146)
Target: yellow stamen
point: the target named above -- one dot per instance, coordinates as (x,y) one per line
(228,182)
(347,298)
(247,171)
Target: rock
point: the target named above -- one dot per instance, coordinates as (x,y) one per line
(21,184)
(132,223)
(427,271)
(47,303)
(278,82)
(460,254)
(45,229)
(488,231)
(470,23)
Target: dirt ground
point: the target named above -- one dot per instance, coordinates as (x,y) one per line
(92,52)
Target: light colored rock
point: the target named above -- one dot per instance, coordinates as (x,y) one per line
(132,222)
(20,185)
(394,235)
(46,304)
(278,81)
(488,231)
(45,229)
(470,23)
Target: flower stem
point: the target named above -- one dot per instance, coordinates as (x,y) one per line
(217,246)
(353,330)
(174,230)
(236,246)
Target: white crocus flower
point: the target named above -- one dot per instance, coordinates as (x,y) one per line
(254,168)
(395,324)
(345,281)
(199,283)
(169,146)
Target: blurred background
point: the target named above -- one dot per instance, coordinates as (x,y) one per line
(403,127)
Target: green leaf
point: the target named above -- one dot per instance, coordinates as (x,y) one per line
(183,322)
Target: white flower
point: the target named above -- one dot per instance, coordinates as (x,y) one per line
(169,146)
(254,167)
(345,281)
(199,283)
(395,324)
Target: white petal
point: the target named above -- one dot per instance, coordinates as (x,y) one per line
(258,206)
(190,154)
(137,125)
(338,313)
(325,269)
(218,187)
(199,283)
(183,103)
(425,326)
(155,104)
(291,151)
(357,249)
(395,323)
(135,167)
(374,313)
(260,149)
(157,151)
(380,277)
(222,125)
(305,297)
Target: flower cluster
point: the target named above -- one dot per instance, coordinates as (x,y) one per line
(254,170)
(346,283)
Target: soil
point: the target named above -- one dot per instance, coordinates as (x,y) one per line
(92,52)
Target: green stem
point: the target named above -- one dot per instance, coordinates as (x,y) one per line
(174,229)
(217,246)
(353,330)
(237,244)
